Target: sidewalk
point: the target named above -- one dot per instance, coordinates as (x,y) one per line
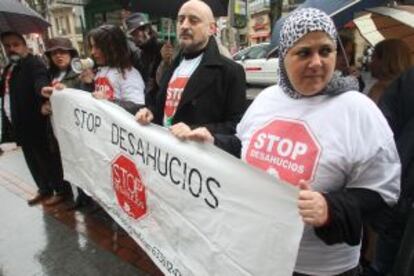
(44,240)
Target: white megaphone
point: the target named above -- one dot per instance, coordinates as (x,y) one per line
(81,64)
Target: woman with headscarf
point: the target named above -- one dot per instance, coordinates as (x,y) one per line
(315,131)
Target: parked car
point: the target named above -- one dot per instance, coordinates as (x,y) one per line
(258,68)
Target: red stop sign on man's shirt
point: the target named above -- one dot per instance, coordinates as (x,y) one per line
(174,92)
(129,189)
(285,148)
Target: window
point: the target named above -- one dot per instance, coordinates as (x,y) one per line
(68,28)
(257,52)
(242,53)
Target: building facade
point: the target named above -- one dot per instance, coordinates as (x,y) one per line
(67,20)
(262,14)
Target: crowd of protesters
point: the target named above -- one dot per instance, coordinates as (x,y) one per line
(363,178)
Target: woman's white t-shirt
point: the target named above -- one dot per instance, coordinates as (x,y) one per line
(332,142)
(117,86)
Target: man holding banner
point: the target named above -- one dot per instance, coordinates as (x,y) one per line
(203,88)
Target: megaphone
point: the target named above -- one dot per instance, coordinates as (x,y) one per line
(81,64)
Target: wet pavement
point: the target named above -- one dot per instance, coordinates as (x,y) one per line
(42,240)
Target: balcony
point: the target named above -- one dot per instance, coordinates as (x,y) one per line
(71,2)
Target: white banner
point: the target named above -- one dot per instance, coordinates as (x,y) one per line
(193,208)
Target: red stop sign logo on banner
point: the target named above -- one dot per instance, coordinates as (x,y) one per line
(129,189)
(286,149)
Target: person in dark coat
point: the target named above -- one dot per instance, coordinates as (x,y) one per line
(397,104)
(146,40)
(203,88)
(20,89)
(59,53)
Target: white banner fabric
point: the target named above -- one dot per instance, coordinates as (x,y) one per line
(193,208)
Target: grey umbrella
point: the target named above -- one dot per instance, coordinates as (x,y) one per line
(16,17)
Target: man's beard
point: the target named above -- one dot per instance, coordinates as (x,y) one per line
(193,47)
(145,41)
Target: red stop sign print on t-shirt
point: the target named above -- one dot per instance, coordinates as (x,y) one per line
(285,148)
(174,91)
(104,85)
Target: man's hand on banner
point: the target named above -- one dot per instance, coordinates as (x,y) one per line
(144,116)
(313,207)
(59,86)
(180,130)
(47,91)
(200,134)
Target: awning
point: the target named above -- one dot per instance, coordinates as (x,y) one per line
(385,23)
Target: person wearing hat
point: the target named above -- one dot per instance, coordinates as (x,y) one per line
(146,39)
(59,53)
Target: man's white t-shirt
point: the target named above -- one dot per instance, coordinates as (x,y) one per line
(6,98)
(176,86)
(331,142)
(117,86)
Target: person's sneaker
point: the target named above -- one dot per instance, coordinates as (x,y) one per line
(1,151)
(37,199)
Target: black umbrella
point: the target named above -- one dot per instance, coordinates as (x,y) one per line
(16,17)
(169,8)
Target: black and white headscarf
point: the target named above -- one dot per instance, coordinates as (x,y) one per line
(299,23)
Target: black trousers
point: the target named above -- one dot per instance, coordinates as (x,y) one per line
(59,185)
(37,158)
(7,133)
(46,169)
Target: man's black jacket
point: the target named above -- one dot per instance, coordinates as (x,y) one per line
(214,97)
(27,80)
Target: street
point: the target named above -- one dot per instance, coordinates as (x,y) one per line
(42,240)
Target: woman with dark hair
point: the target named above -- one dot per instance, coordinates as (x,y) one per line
(115,80)
(391,57)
